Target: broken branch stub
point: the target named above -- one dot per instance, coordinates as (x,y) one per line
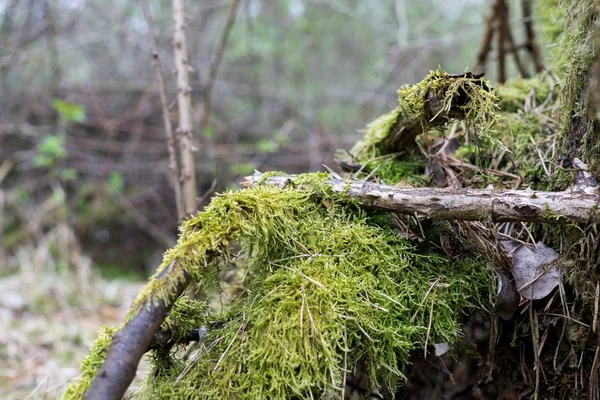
(429,104)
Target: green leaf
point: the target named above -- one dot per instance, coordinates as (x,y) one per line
(70,112)
(208,132)
(242,168)
(69,174)
(42,160)
(51,149)
(116,182)
(267,146)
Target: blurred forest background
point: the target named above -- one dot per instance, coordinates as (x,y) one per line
(86,204)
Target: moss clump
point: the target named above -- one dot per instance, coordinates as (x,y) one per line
(329,285)
(329,288)
(514,93)
(430,104)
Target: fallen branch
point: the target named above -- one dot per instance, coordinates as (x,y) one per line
(130,343)
(577,205)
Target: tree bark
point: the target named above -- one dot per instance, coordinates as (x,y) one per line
(162,91)
(184,101)
(579,205)
(129,345)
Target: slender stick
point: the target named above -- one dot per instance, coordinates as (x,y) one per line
(532,45)
(216,62)
(184,102)
(486,43)
(502,26)
(579,205)
(130,343)
(158,72)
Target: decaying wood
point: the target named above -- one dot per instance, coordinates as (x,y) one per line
(578,205)
(130,343)
(435,113)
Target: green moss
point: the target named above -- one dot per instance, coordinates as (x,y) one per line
(185,316)
(92,363)
(579,135)
(430,104)
(514,93)
(328,290)
(329,286)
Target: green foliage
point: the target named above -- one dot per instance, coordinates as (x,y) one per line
(267,146)
(513,94)
(116,182)
(69,174)
(242,168)
(69,112)
(50,150)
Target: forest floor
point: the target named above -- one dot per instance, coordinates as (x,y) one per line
(48,323)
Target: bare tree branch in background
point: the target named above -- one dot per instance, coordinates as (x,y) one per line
(498,23)
(184,101)
(53,54)
(531,45)
(158,70)
(216,62)
(502,26)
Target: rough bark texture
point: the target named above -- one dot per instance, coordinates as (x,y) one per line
(576,205)
(129,345)
(184,101)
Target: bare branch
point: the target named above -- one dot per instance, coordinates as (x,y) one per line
(502,21)
(216,62)
(130,343)
(184,101)
(579,206)
(531,44)
(158,71)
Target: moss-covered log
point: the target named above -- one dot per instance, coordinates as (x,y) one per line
(331,287)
